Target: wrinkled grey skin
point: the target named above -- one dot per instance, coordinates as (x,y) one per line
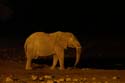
(45,44)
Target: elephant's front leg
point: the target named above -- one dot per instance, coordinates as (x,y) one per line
(28,64)
(55,60)
(60,54)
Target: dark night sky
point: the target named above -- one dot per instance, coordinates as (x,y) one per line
(18,19)
(102,32)
(24,17)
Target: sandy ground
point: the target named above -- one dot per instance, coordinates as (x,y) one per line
(13,65)
(17,69)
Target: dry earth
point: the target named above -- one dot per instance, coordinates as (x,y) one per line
(91,75)
(15,67)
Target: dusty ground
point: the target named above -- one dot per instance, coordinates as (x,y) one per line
(16,67)
(91,75)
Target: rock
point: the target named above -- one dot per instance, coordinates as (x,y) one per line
(9,79)
(42,82)
(50,81)
(106,82)
(41,78)
(61,79)
(93,78)
(84,79)
(67,75)
(56,81)
(94,82)
(68,79)
(115,77)
(48,77)
(34,77)
(81,82)
(75,79)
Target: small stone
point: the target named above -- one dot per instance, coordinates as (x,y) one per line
(41,78)
(67,75)
(115,77)
(68,79)
(61,79)
(106,82)
(34,77)
(99,82)
(42,82)
(86,82)
(50,81)
(48,77)
(94,82)
(93,78)
(81,82)
(75,79)
(104,77)
(9,79)
(84,79)
(56,81)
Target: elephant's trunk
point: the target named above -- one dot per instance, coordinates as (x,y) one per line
(78,52)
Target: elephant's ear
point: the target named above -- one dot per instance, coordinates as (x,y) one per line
(62,42)
(61,39)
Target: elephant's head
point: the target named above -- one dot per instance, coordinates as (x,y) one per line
(74,43)
(67,39)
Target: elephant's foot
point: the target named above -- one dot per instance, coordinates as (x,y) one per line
(52,68)
(28,68)
(61,68)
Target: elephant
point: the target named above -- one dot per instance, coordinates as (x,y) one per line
(54,43)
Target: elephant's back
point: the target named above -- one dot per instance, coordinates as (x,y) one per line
(37,35)
(40,43)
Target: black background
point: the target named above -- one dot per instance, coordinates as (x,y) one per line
(100,31)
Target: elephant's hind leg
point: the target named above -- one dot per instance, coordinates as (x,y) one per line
(55,60)
(28,64)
